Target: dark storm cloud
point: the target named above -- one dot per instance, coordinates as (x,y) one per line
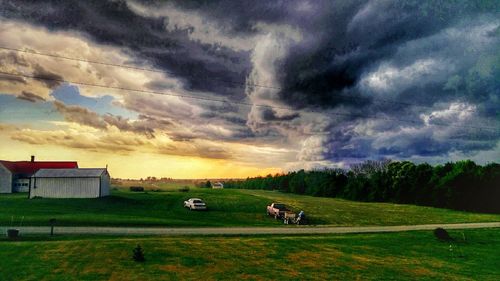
(356,39)
(112,22)
(341,45)
(427,143)
(390,60)
(347,144)
(239,17)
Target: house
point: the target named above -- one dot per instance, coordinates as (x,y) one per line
(70,183)
(217,185)
(15,175)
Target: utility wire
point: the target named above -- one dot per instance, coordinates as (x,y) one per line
(237,103)
(380,100)
(139,90)
(130,67)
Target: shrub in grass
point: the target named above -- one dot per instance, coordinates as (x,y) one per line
(442,234)
(184,189)
(138,254)
(136,188)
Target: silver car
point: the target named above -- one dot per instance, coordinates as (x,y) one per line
(195,204)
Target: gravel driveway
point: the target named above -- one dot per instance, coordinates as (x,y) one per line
(242,230)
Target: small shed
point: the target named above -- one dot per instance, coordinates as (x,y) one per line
(70,183)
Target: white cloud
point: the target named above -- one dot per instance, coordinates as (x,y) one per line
(456,113)
(314,148)
(271,48)
(391,78)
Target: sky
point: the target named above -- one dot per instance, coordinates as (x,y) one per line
(231,89)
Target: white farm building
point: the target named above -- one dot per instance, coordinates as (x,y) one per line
(218,185)
(70,183)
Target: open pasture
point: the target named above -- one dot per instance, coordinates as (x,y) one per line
(226,208)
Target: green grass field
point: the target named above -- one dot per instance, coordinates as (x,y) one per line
(388,256)
(226,208)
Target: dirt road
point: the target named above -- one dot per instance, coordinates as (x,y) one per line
(243,230)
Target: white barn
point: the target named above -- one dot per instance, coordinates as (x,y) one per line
(70,183)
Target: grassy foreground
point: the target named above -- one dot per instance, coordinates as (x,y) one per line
(226,208)
(389,256)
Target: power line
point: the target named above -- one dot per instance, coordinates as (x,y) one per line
(139,90)
(379,100)
(130,67)
(237,103)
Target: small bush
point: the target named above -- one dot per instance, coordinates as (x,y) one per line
(136,188)
(184,189)
(442,234)
(138,254)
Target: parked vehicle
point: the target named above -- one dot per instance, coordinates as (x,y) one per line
(277,210)
(195,204)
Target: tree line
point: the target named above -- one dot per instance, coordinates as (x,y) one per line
(461,185)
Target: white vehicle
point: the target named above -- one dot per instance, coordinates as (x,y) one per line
(195,204)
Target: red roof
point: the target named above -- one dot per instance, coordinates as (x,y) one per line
(29,168)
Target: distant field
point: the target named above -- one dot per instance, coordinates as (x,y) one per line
(226,208)
(151,185)
(388,256)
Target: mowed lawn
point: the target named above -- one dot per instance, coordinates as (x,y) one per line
(226,208)
(387,256)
